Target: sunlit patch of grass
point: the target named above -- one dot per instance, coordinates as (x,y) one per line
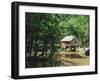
(74,61)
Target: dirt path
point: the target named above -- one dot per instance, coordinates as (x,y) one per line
(67,63)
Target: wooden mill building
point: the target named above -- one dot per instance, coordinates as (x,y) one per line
(70,42)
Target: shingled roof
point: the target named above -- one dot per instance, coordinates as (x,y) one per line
(68,38)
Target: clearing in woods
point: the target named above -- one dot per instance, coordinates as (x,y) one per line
(73,59)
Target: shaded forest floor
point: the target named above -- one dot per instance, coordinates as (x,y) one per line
(73,59)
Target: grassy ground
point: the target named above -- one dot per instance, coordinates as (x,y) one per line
(68,58)
(75,61)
